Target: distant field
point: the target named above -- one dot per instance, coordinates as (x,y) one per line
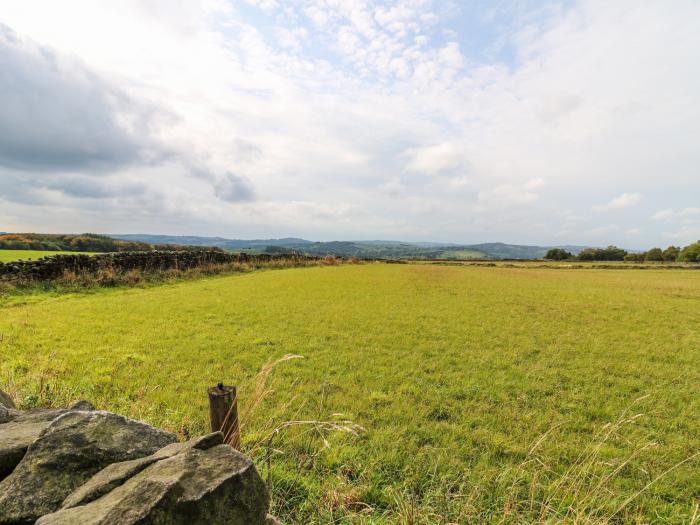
(16,255)
(462,254)
(571,264)
(456,373)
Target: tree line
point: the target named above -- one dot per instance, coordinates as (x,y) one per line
(690,253)
(85,242)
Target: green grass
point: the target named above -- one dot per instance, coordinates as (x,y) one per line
(455,373)
(462,254)
(25,255)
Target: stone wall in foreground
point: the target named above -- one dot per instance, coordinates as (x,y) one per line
(55,266)
(84,466)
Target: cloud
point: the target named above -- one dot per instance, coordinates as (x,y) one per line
(508,195)
(342,105)
(65,130)
(233,188)
(663,214)
(57,115)
(686,234)
(436,159)
(394,187)
(625,200)
(559,105)
(459,182)
(689,212)
(602,231)
(683,214)
(81,186)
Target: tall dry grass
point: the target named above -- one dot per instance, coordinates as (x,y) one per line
(266,429)
(534,491)
(106,277)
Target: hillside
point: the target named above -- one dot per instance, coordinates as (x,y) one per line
(84,242)
(219,242)
(366,248)
(499,250)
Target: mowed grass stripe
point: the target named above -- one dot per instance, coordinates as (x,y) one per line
(455,373)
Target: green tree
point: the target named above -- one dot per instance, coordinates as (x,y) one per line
(276,250)
(558,254)
(635,257)
(671,253)
(654,255)
(690,253)
(611,253)
(587,254)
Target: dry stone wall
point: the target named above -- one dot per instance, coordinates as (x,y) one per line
(84,466)
(54,267)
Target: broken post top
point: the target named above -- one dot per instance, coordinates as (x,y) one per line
(222,390)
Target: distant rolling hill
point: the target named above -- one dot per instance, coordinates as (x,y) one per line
(227,244)
(367,248)
(499,250)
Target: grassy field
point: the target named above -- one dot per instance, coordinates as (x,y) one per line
(16,255)
(488,395)
(462,254)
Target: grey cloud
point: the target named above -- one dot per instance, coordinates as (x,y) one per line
(15,188)
(558,106)
(246,150)
(56,115)
(23,188)
(227,186)
(233,188)
(94,188)
(66,131)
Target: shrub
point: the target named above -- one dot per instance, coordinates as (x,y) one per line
(132,277)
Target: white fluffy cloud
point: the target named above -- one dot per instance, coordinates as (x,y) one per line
(351,118)
(509,195)
(689,213)
(437,159)
(625,200)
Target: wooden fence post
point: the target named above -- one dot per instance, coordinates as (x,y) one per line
(223,413)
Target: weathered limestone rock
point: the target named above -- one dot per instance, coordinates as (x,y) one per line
(18,430)
(7,414)
(74,447)
(24,428)
(82,405)
(101,468)
(195,487)
(6,400)
(117,474)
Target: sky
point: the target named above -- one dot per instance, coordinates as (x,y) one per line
(574,122)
